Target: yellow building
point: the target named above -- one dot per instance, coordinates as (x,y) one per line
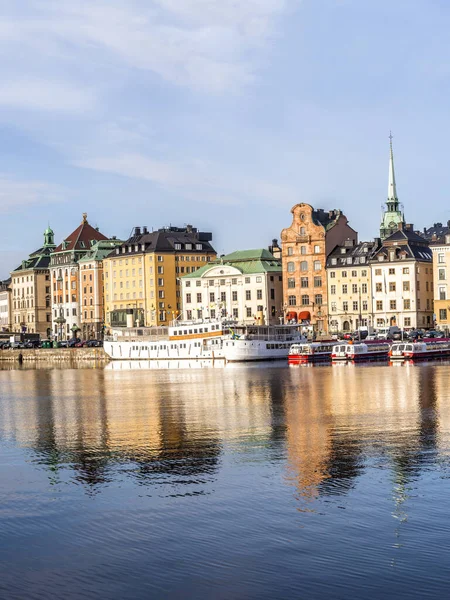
(142,275)
(441,273)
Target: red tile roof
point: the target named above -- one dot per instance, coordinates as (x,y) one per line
(81,238)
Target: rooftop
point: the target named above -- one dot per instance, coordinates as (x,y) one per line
(248,262)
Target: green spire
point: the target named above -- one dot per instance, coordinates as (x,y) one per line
(49,237)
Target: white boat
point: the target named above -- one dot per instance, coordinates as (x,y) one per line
(202,340)
(425,350)
(311,352)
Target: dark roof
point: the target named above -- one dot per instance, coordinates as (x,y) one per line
(407,244)
(82,238)
(39,259)
(349,254)
(4,284)
(164,240)
(435,233)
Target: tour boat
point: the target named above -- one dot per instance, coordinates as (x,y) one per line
(397,351)
(362,352)
(427,349)
(312,352)
(339,352)
(208,339)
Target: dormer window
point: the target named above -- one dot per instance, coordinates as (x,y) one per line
(82,244)
(188,246)
(123,249)
(177,246)
(343,250)
(117,250)
(142,247)
(136,248)
(198,246)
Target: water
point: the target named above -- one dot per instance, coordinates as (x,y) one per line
(257,481)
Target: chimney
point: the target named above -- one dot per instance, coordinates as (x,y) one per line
(447,238)
(189,228)
(409,226)
(425,230)
(144,229)
(137,231)
(113,237)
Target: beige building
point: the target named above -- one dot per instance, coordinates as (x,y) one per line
(441,274)
(5,306)
(143,274)
(306,244)
(245,286)
(349,284)
(402,281)
(31,291)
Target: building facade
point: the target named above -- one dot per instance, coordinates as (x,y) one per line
(402,281)
(31,291)
(91,286)
(349,283)
(143,273)
(245,286)
(5,306)
(65,278)
(441,274)
(306,244)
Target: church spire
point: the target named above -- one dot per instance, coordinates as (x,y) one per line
(392,189)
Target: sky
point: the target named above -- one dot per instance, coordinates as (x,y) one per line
(222,114)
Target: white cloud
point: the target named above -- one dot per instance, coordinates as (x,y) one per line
(41,94)
(199,180)
(15,194)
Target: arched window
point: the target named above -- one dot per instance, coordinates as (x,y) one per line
(290,267)
(305,300)
(91,302)
(292,300)
(303,265)
(302,230)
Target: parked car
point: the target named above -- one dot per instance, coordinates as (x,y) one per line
(432,333)
(72,343)
(371,337)
(63,344)
(94,344)
(80,344)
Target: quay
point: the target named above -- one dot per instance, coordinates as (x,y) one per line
(56,355)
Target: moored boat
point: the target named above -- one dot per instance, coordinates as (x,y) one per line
(362,352)
(427,349)
(311,352)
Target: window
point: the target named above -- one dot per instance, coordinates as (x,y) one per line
(223,296)
(318,299)
(317,265)
(161,294)
(317,281)
(248,293)
(290,252)
(364,288)
(441,259)
(344,288)
(393,305)
(333,274)
(407,321)
(290,267)
(317,249)
(379,305)
(302,249)
(249,311)
(406,286)
(259,280)
(233,296)
(406,304)
(234,281)
(333,307)
(344,274)
(364,273)
(405,270)
(442,292)
(211,297)
(391,271)
(365,305)
(199,298)
(160,258)
(377,271)
(378,287)
(291,283)
(355,306)
(188,298)
(441,274)
(236,313)
(160,281)
(198,283)
(354,273)
(392,286)
(303,265)
(345,306)
(305,300)
(332,289)
(354,288)
(188,284)
(442,314)
(418,286)
(247,279)
(259,294)
(302,231)
(292,300)
(303,282)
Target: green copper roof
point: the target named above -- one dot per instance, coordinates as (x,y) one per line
(248,262)
(100,250)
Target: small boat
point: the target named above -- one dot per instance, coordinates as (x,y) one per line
(427,349)
(310,353)
(362,352)
(339,352)
(397,351)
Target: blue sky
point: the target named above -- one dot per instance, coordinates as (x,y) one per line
(219,113)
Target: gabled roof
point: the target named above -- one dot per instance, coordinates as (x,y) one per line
(407,245)
(39,259)
(405,234)
(81,238)
(352,254)
(248,262)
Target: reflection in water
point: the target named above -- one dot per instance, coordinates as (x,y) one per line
(260,446)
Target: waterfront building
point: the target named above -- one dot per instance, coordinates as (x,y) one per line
(142,275)
(313,234)
(5,306)
(349,285)
(402,281)
(31,291)
(91,286)
(393,214)
(245,285)
(65,277)
(440,249)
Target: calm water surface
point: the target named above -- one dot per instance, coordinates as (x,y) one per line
(236,482)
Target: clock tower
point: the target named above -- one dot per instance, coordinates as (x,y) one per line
(392,214)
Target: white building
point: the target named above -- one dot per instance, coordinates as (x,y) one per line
(245,285)
(5,306)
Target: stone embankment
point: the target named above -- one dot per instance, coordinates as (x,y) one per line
(55,355)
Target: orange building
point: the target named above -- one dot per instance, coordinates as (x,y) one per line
(313,234)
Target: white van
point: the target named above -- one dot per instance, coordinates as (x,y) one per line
(387,333)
